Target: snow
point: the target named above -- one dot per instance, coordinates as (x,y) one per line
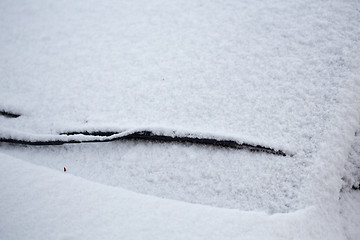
(350,212)
(62,206)
(284,74)
(350,198)
(118,133)
(238,68)
(352,166)
(197,174)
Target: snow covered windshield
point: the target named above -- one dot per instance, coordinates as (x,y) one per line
(279,77)
(231,70)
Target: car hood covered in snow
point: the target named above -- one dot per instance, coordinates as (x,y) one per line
(282,75)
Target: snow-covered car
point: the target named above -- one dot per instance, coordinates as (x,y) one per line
(179,119)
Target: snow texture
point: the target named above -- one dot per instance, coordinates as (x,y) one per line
(197,174)
(350,212)
(284,74)
(39,203)
(268,72)
(352,167)
(350,194)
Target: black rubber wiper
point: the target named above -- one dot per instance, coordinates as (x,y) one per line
(145,135)
(148,136)
(9,114)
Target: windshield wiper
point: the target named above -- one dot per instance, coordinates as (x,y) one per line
(9,114)
(103,136)
(144,135)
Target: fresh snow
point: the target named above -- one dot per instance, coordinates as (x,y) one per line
(237,68)
(197,174)
(352,166)
(350,213)
(38,203)
(283,74)
(350,198)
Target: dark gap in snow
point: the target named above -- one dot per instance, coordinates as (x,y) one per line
(9,114)
(150,136)
(351,178)
(355,187)
(42,142)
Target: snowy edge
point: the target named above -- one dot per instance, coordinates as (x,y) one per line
(138,214)
(161,131)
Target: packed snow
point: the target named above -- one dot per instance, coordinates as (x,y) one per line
(282,74)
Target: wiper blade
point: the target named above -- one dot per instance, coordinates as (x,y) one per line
(143,135)
(9,114)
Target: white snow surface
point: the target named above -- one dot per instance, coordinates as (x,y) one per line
(80,209)
(352,166)
(284,74)
(267,72)
(350,212)
(197,174)
(350,198)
